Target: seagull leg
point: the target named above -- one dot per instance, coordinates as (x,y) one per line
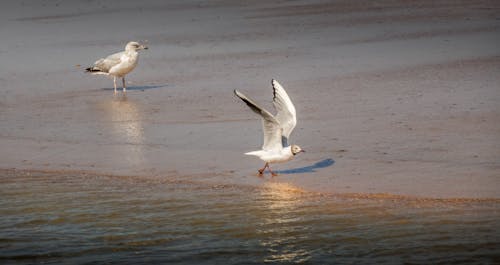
(272,173)
(114,83)
(261,171)
(124,86)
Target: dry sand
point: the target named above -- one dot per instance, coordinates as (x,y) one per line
(397,97)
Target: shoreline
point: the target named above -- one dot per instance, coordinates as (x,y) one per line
(280,185)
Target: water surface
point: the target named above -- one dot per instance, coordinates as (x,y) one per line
(87,219)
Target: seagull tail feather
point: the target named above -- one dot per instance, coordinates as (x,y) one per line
(95,71)
(92,69)
(254,153)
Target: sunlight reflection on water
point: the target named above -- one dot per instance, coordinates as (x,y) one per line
(281,199)
(125,125)
(126,120)
(79,218)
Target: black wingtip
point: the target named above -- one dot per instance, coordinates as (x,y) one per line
(236,92)
(274,88)
(91,70)
(241,96)
(244,99)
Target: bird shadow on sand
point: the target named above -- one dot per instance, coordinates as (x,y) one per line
(136,88)
(309,169)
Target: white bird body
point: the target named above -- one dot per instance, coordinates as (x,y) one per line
(277,129)
(118,64)
(128,61)
(274,156)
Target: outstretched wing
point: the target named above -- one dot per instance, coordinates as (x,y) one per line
(286,114)
(270,125)
(104,64)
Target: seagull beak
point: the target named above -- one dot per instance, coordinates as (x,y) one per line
(144,47)
(302,151)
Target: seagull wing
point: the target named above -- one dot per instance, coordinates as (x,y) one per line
(104,64)
(286,114)
(270,125)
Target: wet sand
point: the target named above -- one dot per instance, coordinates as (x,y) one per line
(393,97)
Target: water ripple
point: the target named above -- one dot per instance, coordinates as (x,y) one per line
(78,220)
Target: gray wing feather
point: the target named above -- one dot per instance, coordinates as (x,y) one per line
(104,64)
(270,125)
(286,114)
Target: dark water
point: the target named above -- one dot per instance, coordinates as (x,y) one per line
(78,219)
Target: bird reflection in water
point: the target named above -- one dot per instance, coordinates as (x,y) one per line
(281,228)
(126,128)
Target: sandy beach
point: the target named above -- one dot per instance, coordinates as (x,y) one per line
(393,97)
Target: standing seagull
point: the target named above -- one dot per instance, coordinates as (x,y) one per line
(118,64)
(276,129)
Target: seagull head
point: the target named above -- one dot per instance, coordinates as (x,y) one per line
(296,149)
(135,46)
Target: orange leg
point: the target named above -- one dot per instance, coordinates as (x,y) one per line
(261,171)
(272,173)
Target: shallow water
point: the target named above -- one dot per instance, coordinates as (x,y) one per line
(81,219)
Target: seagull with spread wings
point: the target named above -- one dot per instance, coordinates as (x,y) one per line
(118,64)
(277,129)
